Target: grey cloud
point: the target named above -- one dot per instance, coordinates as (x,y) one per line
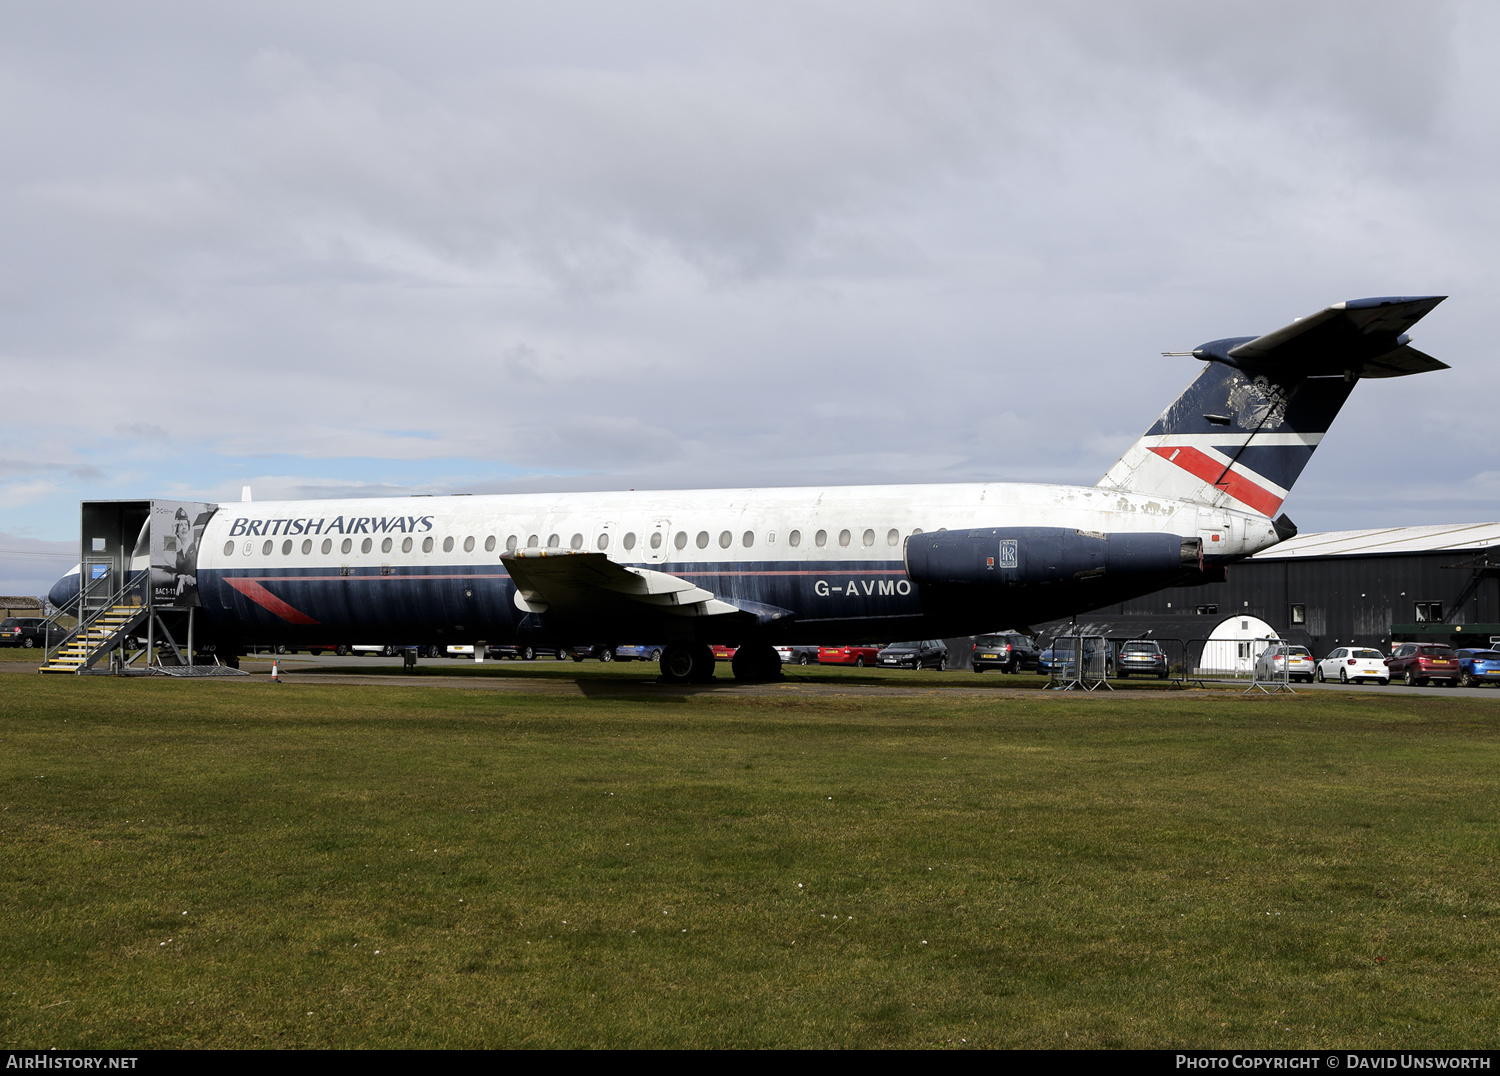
(812,242)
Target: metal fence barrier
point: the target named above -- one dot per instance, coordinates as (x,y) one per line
(1079,663)
(1259,663)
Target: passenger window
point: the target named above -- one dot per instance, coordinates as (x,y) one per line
(554,541)
(448,544)
(532,542)
(820,539)
(794,539)
(603,542)
(364,547)
(725,538)
(511,543)
(656,540)
(385,545)
(893,537)
(702,539)
(346,545)
(844,537)
(229,549)
(575,542)
(265,549)
(286,548)
(868,538)
(469,544)
(406,545)
(426,545)
(748,539)
(916,530)
(681,540)
(327,546)
(307,545)
(629,541)
(489,544)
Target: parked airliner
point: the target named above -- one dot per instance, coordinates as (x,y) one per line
(755,567)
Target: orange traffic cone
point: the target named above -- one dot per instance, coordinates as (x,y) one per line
(275,670)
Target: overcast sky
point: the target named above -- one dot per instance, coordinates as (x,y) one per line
(327,249)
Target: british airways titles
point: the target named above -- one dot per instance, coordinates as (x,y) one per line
(340,525)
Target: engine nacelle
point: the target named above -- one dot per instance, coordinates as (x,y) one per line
(1025,556)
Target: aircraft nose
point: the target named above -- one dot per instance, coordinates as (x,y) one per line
(65,589)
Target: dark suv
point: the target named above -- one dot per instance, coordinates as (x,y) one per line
(1417,663)
(1008,651)
(1142,656)
(22,631)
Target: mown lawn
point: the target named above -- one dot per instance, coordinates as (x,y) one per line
(250,864)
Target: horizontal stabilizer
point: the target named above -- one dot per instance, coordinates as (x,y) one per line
(1362,337)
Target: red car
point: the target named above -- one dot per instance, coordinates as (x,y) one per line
(860,654)
(723,653)
(1417,663)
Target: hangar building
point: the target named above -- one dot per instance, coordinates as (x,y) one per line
(1338,588)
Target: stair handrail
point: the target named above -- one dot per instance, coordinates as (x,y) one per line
(87,588)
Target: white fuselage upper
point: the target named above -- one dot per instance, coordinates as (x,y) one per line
(693,527)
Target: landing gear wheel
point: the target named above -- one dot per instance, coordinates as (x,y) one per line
(687,663)
(756,663)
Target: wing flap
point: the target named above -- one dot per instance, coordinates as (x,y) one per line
(573,583)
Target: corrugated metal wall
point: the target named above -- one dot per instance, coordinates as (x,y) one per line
(1348,600)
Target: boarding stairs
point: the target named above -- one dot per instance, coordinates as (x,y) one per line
(96,637)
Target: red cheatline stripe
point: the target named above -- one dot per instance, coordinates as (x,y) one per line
(263,597)
(1208,469)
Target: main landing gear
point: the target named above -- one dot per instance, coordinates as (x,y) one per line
(693,663)
(687,663)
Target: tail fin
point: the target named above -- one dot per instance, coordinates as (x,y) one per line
(1244,430)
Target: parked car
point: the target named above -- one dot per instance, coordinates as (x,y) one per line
(341,649)
(1418,663)
(723,653)
(1295,661)
(638,652)
(1356,664)
(602,653)
(1143,656)
(798,655)
(860,654)
(1477,667)
(376,650)
(1008,651)
(521,651)
(918,654)
(24,631)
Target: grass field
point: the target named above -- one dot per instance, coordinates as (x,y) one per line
(249,864)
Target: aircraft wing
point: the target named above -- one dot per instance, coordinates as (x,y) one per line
(565,583)
(1364,336)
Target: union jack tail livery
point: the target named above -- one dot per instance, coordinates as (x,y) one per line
(1244,430)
